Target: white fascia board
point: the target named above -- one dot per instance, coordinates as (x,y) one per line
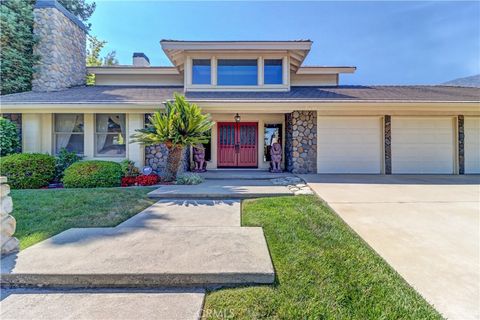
(133,70)
(235,45)
(325,70)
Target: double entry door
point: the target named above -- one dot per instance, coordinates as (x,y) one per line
(237,144)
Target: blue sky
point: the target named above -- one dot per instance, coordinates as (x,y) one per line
(390,42)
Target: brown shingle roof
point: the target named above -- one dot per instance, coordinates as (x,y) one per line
(144,94)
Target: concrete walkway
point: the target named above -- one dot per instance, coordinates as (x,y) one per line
(425,227)
(176,304)
(222,189)
(181,243)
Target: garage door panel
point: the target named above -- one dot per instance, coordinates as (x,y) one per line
(426,137)
(355,138)
(472,145)
(337,123)
(349,145)
(422,145)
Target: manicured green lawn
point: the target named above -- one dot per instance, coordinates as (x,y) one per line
(324,271)
(41,214)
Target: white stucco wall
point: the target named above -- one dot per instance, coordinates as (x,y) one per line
(38,135)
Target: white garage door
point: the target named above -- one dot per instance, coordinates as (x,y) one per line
(349,145)
(472,145)
(422,145)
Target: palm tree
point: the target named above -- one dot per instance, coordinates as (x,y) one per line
(180,125)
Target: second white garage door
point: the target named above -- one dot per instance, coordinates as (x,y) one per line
(422,145)
(349,145)
(472,145)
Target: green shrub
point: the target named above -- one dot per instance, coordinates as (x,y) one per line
(189,178)
(93,174)
(9,142)
(28,170)
(64,160)
(129,169)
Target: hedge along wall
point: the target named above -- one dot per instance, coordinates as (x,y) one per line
(17,119)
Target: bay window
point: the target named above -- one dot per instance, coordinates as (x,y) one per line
(110,135)
(68,132)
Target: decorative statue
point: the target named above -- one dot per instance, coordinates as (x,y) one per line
(199,158)
(276,157)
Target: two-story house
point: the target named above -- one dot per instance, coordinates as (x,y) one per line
(258,93)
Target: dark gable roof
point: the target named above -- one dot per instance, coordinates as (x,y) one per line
(149,94)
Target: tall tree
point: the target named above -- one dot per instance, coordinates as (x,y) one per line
(16,46)
(17,60)
(94,49)
(81,9)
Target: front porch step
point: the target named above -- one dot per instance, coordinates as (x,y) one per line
(143,257)
(222,189)
(242,174)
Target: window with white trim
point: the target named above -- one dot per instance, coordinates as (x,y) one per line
(273,71)
(68,132)
(110,135)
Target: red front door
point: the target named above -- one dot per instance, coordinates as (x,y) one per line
(237,144)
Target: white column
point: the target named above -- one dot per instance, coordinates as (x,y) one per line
(213,71)
(213,162)
(286,71)
(261,144)
(260,71)
(187,73)
(135,151)
(47,133)
(89,135)
(32,132)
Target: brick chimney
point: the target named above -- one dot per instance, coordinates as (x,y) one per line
(61,47)
(140,60)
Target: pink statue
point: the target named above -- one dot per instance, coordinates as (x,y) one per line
(276,157)
(199,158)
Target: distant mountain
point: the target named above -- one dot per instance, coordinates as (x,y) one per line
(472,81)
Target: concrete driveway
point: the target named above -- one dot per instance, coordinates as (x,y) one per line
(426,227)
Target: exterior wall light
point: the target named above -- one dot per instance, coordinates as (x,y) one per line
(237,118)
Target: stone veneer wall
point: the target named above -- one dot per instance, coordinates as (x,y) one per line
(61,47)
(301,141)
(156,157)
(461,144)
(17,119)
(9,243)
(387,131)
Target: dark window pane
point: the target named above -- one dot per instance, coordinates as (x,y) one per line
(68,122)
(111,145)
(71,142)
(110,123)
(69,132)
(272,134)
(238,72)
(110,138)
(273,73)
(201,71)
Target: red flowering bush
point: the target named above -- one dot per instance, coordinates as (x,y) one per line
(149,180)
(128,181)
(142,180)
